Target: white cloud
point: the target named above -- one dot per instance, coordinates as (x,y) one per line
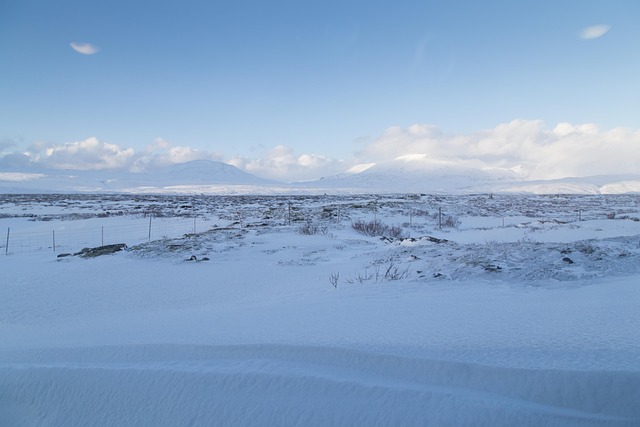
(93,154)
(396,141)
(281,163)
(84,48)
(542,153)
(19,176)
(538,151)
(162,153)
(81,155)
(594,31)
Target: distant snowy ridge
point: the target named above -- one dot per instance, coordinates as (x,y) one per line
(196,173)
(616,184)
(421,173)
(204,172)
(415,173)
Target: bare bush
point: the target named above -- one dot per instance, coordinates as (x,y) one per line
(377,228)
(370,228)
(451,222)
(383,271)
(333,279)
(393,272)
(310,229)
(446,221)
(396,232)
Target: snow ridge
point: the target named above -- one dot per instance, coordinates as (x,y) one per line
(301,385)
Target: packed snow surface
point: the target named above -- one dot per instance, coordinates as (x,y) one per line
(475,310)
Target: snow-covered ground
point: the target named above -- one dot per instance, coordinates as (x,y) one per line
(516,311)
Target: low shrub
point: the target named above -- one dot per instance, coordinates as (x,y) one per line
(370,228)
(310,229)
(377,228)
(447,221)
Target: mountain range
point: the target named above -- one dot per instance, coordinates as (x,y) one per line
(413,173)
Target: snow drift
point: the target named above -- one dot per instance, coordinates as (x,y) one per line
(257,334)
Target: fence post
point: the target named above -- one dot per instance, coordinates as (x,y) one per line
(6,248)
(149,227)
(54,240)
(194,225)
(440,218)
(102,239)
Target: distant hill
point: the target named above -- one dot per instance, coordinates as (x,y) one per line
(609,184)
(197,175)
(413,173)
(419,173)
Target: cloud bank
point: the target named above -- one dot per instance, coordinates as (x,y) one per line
(281,163)
(89,154)
(540,153)
(84,48)
(536,151)
(163,153)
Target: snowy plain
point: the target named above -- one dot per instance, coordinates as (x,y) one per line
(477,310)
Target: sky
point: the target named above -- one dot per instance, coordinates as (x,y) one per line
(296,90)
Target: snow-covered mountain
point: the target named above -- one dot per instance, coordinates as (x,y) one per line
(423,174)
(604,184)
(417,173)
(194,176)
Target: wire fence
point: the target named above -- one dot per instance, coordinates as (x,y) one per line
(64,238)
(74,235)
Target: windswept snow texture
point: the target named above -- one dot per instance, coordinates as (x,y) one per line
(470,310)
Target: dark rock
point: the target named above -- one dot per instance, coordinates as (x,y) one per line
(567,260)
(101,250)
(436,240)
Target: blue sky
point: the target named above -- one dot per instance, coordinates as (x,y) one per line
(307,87)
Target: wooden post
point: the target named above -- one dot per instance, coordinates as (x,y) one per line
(102,240)
(6,248)
(194,225)
(440,218)
(149,227)
(54,240)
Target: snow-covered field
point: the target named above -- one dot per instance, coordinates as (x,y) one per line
(511,310)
